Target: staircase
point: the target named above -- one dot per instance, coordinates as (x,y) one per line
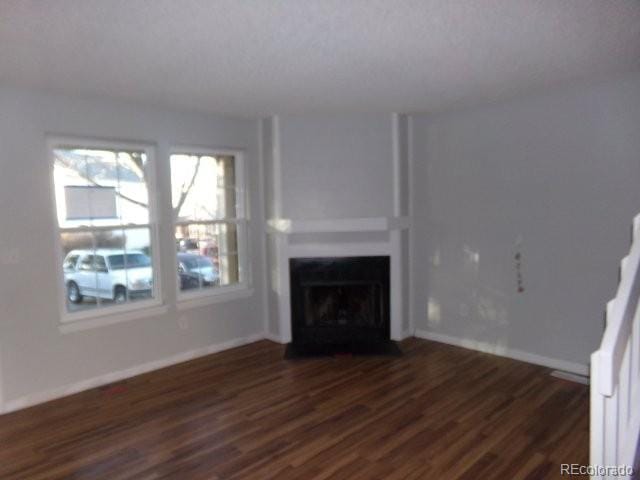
(615,375)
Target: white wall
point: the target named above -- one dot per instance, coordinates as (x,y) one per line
(561,173)
(336,166)
(558,171)
(35,356)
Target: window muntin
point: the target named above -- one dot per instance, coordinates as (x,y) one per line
(103,209)
(210,226)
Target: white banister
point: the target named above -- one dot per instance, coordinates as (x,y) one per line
(615,372)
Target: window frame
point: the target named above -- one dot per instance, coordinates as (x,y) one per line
(128,310)
(241,220)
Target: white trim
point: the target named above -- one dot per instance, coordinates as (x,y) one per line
(597,419)
(112,312)
(395,240)
(1,385)
(233,221)
(411,233)
(284,287)
(406,334)
(45,396)
(398,223)
(201,150)
(89,323)
(396,161)
(312,250)
(221,295)
(337,225)
(570,377)
(117,312)
(486,347)
(276,155)
(55,140)
(262,195)
(274,338)
(630,449)
(396,285)
(315,250)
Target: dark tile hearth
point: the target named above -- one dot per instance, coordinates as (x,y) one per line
(390,348)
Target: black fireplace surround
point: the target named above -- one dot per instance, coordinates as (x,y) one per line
(340,305)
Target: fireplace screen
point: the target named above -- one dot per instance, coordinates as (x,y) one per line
(339,301)
(354,304)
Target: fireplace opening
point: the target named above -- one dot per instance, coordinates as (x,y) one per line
(340,305)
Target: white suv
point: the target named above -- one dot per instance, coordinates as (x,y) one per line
(107,273)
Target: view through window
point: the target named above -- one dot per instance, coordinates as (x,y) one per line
(103,212)
(209,218)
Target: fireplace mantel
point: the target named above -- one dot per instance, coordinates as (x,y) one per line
(288,226)
(290,238)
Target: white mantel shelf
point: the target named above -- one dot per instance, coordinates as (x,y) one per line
(287,226)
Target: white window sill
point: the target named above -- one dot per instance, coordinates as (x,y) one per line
(78,324)
(224,294)
(111,318)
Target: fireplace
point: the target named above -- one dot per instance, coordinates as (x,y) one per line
(340,305)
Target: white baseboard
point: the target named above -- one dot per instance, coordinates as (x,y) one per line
(485,347)
(571,377)
(274,338)
(403,334)
(45,396)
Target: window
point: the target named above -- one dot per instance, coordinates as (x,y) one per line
(210,223)
(70,262)
(106,228)
(87,263)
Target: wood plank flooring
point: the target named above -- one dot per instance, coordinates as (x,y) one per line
(438,412)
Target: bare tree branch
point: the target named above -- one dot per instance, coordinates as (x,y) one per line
(184,192)
(136,158)
(96,184)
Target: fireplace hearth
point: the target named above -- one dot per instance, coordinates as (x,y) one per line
(340,305)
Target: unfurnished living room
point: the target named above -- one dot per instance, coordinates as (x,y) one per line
(319,239)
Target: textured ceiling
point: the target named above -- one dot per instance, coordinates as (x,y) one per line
(256,57)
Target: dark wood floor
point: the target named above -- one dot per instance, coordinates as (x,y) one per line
(439,412)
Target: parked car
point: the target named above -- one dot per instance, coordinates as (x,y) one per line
(209,249)
(107,273)
(187,245)
(195,270)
